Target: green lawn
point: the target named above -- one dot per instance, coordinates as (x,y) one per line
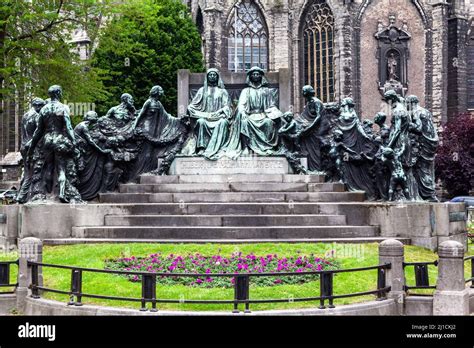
(93,256)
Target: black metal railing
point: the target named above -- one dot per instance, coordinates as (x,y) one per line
(5,272)
(241,286)
(471,280)
(422,279)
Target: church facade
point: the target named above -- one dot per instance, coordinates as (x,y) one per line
(349,48)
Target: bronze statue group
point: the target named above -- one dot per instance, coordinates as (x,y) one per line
(393,162)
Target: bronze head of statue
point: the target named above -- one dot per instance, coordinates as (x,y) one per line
(91,116)
(348,102)
(256,77)
(127,99)
(37,104)
(55,92)
(380,118)
(156,91)
(308,91)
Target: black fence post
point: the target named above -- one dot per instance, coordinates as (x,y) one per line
(421,275)
(241,292)
(76,287)
(4,273)
(326,289)
(34,281)
(148,291)
(381,283)
(153,297)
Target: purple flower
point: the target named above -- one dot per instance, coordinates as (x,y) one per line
(242,266)
(236,263)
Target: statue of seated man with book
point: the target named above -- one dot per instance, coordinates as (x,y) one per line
(257,120)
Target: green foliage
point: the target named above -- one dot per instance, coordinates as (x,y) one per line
(157,38)
(76,119)
(36,51)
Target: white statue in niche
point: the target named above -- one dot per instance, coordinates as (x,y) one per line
(392,65)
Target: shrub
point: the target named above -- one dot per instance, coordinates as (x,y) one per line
(454,163)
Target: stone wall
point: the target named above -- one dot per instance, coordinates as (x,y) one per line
(371,99)
(426,224)
(54,308)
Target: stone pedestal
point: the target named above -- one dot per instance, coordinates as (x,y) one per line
(451,296)
(391,251)
(242,165)
(29,249)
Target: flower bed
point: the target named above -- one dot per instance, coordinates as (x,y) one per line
(234,264)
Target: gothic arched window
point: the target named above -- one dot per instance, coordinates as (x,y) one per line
(318,50)
(248,38)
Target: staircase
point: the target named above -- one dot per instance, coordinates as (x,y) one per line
(239,208)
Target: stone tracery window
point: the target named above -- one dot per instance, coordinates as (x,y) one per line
(249,36)
(318,50)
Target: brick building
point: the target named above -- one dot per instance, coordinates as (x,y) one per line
(343,47)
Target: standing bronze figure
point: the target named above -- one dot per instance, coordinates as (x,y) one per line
(58,151)
(29,123)
(356,167)
(94,158)
(400,143)
(427,141)
(157,133)
(309,129)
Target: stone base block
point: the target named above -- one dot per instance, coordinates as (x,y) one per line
(451,302)
(418,305)
(242,165)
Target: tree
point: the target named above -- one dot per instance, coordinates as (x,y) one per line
(35,48)
(144,45)
(454,162)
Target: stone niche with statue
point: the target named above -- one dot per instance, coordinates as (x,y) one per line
(393,56)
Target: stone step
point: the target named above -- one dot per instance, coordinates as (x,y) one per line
(249,208)
(232,197)
(218,233)
(356,213)
(68,241)
(225,220)
(231,187)
(222,178)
